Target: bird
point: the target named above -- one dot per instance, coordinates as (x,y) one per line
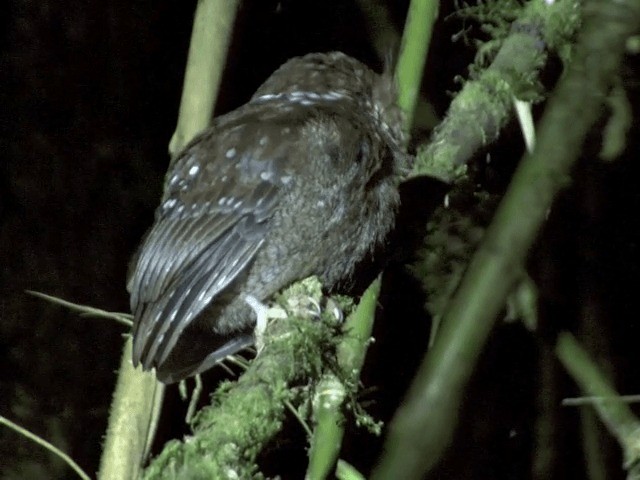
(301,180)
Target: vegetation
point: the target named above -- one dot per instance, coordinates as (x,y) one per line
(508,302)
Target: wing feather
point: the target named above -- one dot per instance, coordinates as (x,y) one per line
(207,281)
(213,220)
(185,263)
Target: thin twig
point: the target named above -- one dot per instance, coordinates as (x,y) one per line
(86,310)
(616,415)
(42,442)
(590,401)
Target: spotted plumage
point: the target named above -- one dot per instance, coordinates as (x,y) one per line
(301,180)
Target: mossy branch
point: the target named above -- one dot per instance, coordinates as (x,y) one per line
(229,434)
(423,426)
(478,113)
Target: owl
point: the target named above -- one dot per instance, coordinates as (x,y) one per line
(301,180)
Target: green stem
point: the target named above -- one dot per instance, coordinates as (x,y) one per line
(616,415)
(416,38)
(423,426)
(327,438)
(133,418)
(345,471)
(210,39)
(327,406)
(138,396)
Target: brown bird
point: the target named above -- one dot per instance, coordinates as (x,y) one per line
(302,180)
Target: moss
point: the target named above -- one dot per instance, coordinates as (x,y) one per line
(245,415)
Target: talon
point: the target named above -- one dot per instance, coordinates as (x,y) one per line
(262,317)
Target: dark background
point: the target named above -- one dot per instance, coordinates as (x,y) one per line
(89,100)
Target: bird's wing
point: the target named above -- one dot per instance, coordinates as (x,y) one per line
(212,221)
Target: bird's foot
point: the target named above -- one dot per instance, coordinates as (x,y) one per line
(263,314)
